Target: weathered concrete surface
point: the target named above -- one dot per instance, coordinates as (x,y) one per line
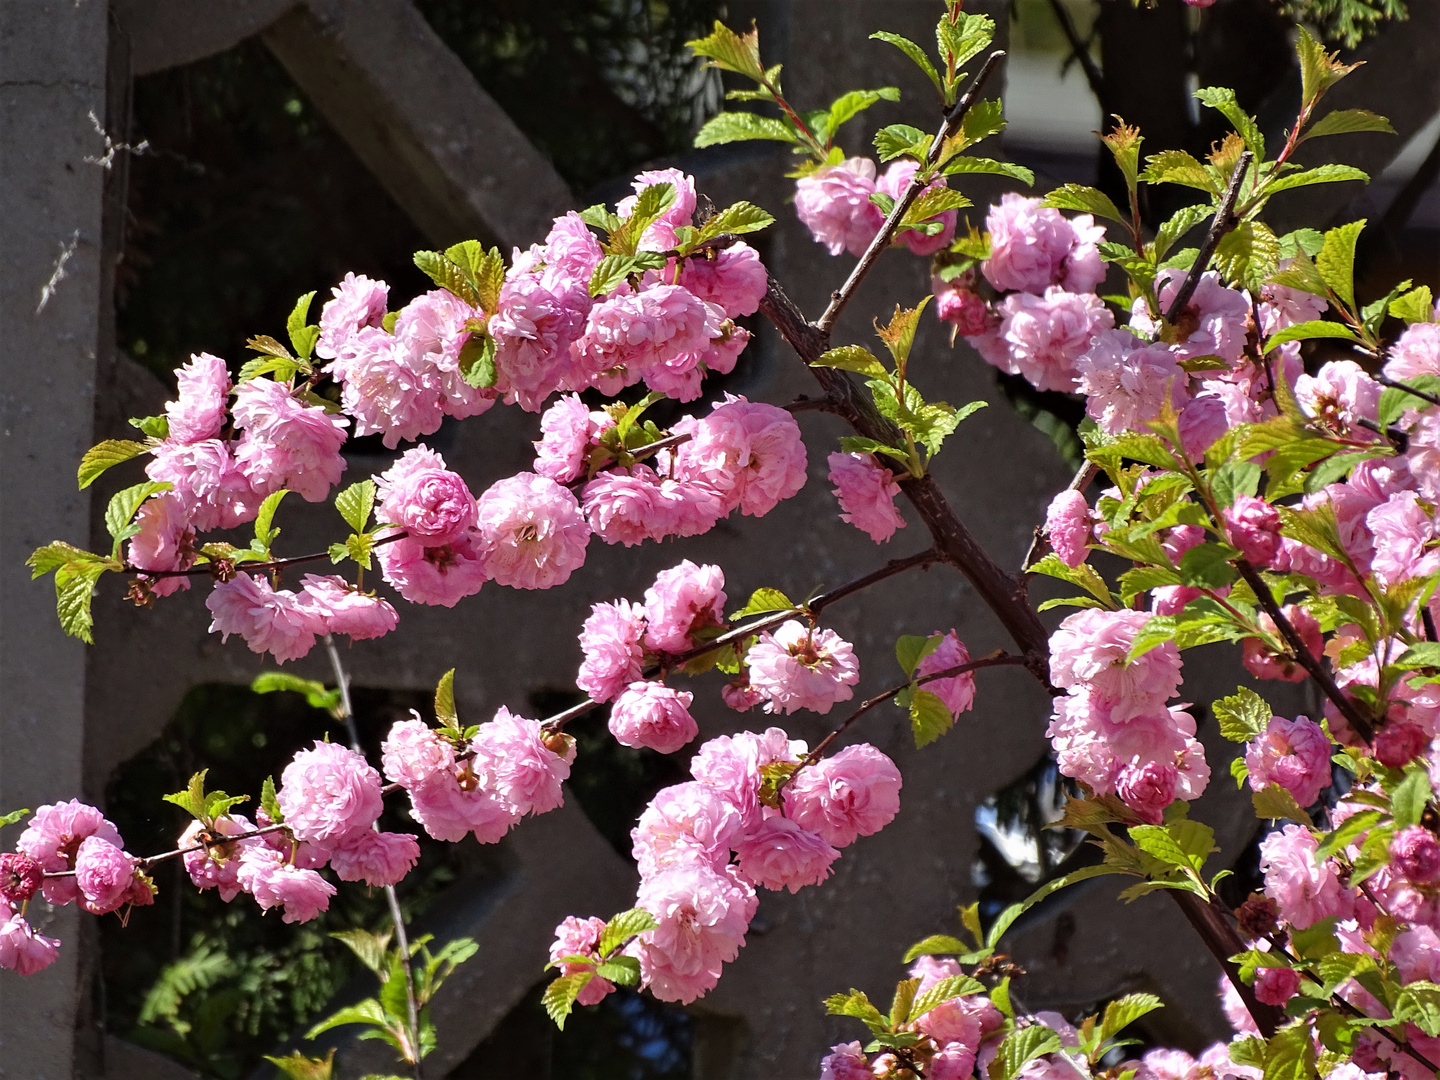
(52,81)
(168,33)
(449,155)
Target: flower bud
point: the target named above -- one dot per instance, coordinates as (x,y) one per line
(1397,744)
(20,877)
(1415,853)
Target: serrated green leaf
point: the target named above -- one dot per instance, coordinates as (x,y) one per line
(445,711)
(854,444)
(156,427)
(762,601)
(1087,200)
(915,53)
(1083,575)
(12,817)
(299,1067)
(1248,254)
(122,508)
(952,986)
(902,140)
(1324,174)
(1177,225)
(1290,1054)
(1407,801)
(1124,1011)
(560,995)
(103,455)
(1243,716)
(1317,328)
(623,970)
(935,945)
(612,271)
(1423,654)
(966,165)
(963,38)
(1006,918)
(439,269)
(729,51)
(355,504)
(1415,306)
(74,590)
(910,649)
(728,127)
(370,948)
(856,1004)
(1418,1003)
(929,718)
(1156,840)
(1178,167)
(282,368)
(1342,837)
(1274,803)
(849,105)
(302,336)
(265,533)
(740,217)
(477,361)
(1021,1047)
(932,202)
(852,358)
(1336,261)
(599,217)
(269,802)
(1344,121)
(1223,100)
(364,1012)
(623,927)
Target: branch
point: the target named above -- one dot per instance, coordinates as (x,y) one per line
(1003,594)
(1080,53)
(1363,727)
(1224,941)
(918,183)
(273,564)
(1424,395)
(1225,220)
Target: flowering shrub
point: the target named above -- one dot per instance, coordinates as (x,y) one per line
(1248,499)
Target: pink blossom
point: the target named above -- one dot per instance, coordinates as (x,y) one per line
(358,302)
(1032,248)
(1305,892)
(846,1061)
(834,204)
(286,443)
(376,858)
(866,490)
(199,411)
(216,867)
(568,430)
(931,970)
(441,575)
(957,691)
(448,811)
(276,621)
(1202,421)
(1067,526)
(1397,744)
(684,825)
(1253,526)
(1219,316)
(650,714)
(345,610)
(1415,854)
(421,496)
(1042,337)
(521,768)
(749,452)
(1276,986)
(732,277)
(571,248)
(795,667)
(893,182)
(684,599)
(329,792)
(610,640)
(20,877)
(533,535)
(581,937)
(627,333)
(632,506)
(731,764)
(739,695)
(413,752)
(539,317)
(383,391)
(1339,396)
(213,492)
(165,542)
(1233,1005)
(1092,646)
(1094,748)
(1404,535)
(779,854)
(22,950)
(660,236)
(703,915)
(430,333)
(53,836)
(104,874)
(955,1061)
(1148,788)
(1294,754)
(1126,383)
(265,875)
(957,303)
(854,793)
(1415,352)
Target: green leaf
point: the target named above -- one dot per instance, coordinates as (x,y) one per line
(302,336)
(740,217)
(1021,1047)
(560,996)
(610,273)
(910,649)
(364,1012)
(1243,716)
(899,334)
(12,817)
(728,127)
(1178,224)
(1207,566)
(265,534)
(1336,261)
(283,367)
(269,802)
(1290,1054)
(1341,838)
(103,455)
(439,269)
(931,203)
(1007,918)
(445,711)
(762,601)
(623,970)
(849,105)
(902,140)
(370,948)
(935,945)
(477,361)
(1407,801)
(1423,654)
(963,38)
(986,166)
(122,508)
(1344,121)
(157,427)
(1415,306)
(852,358)
(1324,174)
(929,718)
(1418,1003)
(1275,802)
(1083,575)
(1087,200)
(355,504)
(1248,254)
(915,53)
(1233,479)
(854,444)
(1178,167)
(315,693)
(1157,841)
(1317,328)
(299,1067)
(1223,100)
(1124,1011)
(74,590)
(623,927)
(856,1004)
(729,51)
(951,987)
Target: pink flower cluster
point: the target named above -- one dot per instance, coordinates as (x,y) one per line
(1113,730)
(509,769)
(685,840)
(866,490)
(285,624)
(834,204)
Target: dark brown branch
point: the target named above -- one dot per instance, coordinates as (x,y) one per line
(1081,54)
(918,183)
(273,564)
(1002,593)
(1423,395)
(1225,220)
(1362,726)
(1224,941)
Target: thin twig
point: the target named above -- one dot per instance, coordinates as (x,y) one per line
(1424,395)
(166,856)
(273,564)
(953,116)
(1225,220)
(402,941)
(1084,477)
(1363,727)
(1093,75)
